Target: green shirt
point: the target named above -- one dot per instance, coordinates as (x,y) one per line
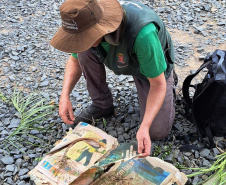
(149,52)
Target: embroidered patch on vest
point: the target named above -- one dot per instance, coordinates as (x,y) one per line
(120,61)
(120,58)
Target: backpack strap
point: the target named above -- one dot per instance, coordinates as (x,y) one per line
(220,68)
(187,83)
(210,136)
(185,90)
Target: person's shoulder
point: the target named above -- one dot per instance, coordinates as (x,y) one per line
(147,30)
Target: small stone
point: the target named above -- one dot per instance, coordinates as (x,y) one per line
(21,183)
(121,139)
(207,7)
(10,181)
(169,158)
(34,163)
(205,152)
(17,156)
(200,50)
(161,10)
(26,158)
(9,174)
(120,130)
(24,177)
(223,23)
(15,171)
(4,132)
(196,154)
(206,163)
(122,78)
(10,167)
(75,94)
(179,126)
(126,136)
(126,125)
(11,78)
(14,123)
(32,156)
(43,77)
(195,180)
(130,109)
(44,84)
(23,171)
(216,151)
(188,18)
(15,53)
(176,153)
(7,160)
(187,153)
(34,69)
(202,57)
(180,160)
(33,132)
(112,133)
(18,163)
(109,128)
(16,58)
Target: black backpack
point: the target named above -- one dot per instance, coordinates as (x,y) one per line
(208,105)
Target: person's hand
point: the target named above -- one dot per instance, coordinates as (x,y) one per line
(66,111)
(144,141)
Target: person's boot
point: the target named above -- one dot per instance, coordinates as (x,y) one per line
(87,115)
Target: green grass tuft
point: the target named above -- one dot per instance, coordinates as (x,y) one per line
(218,170)
(32,109)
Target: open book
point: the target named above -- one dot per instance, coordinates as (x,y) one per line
(88,155)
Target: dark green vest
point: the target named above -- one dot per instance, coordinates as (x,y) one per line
(120,58)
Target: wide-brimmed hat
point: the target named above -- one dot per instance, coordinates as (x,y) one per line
(84,22)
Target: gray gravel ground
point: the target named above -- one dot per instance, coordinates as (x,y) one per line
(28,61)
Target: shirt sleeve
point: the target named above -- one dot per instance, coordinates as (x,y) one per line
(149,52)
(75,55)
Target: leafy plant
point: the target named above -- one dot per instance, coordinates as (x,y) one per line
(105,122)
(32,110)
(95,121)
(163,151)
(218,170)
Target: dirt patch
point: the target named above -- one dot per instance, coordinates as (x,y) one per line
(196,40)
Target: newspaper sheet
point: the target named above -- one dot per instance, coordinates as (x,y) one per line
(123,166)
(63,168)
(102,162)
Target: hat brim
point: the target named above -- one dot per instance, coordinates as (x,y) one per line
(75,43)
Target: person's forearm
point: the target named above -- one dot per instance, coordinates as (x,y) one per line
(154,102)
(72,75)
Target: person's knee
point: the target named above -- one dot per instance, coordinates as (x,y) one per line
(159,135)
